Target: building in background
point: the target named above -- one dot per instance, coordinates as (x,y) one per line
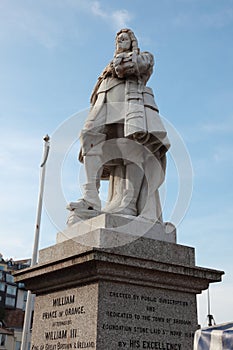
(13,298)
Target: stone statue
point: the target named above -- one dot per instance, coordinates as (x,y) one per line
(123,139)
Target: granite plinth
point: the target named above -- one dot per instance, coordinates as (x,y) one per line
(130,227)
(105,240)
(141,295)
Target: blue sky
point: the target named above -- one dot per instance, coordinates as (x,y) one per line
(51,55)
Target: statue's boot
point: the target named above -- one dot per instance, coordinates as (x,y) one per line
(134,177)
(90,200)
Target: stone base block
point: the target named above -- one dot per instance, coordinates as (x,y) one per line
(141,295)
(106,240)
(130,226)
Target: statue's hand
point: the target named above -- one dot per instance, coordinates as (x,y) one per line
(129,68)
(125,68)
(125,64)
(118,59)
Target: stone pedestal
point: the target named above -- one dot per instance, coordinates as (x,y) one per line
(131,227)
(141,295)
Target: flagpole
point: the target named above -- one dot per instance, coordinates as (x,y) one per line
(210,317)
(30,296)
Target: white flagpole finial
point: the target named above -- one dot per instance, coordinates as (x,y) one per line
(46,150)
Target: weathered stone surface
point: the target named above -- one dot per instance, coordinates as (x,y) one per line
(141,317)
(112,315)
(66,319)
(123,139)
(131,227)
(139,295)
(106,240)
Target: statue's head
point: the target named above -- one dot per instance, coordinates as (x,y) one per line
(126,41)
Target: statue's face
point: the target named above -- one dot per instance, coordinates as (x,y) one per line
(123,42)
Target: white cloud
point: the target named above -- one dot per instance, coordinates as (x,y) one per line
(97,11)
(47,25)
(118,18)
(121,18)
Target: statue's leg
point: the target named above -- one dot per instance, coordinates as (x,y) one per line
(134,177)
(117,176)
(90,204)
(149,204)
(93,169)
(116,188)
